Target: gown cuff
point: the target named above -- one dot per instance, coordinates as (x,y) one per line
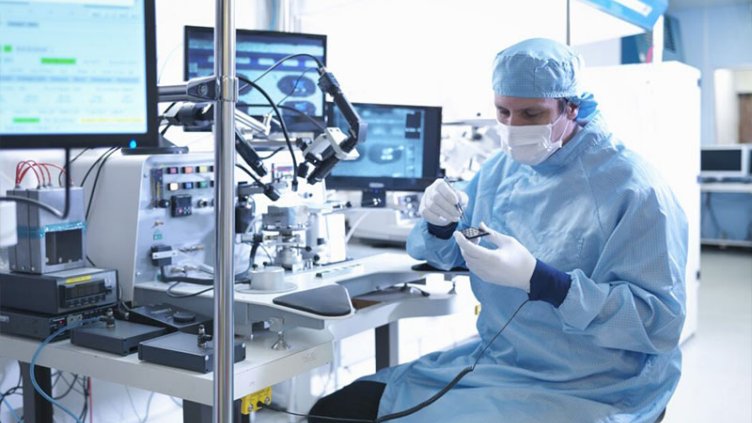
(442,232)
(549,284)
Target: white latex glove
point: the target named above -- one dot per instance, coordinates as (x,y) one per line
(510,264)
(439,203)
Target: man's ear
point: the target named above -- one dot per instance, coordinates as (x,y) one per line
(572,110)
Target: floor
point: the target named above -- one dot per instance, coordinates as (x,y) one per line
(716,383)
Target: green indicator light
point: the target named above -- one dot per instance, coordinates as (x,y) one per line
(7,48)
(26,120)
(58,61)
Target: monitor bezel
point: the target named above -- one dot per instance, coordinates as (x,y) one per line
(90,140)
(745,161)
(319,37)
(358,183)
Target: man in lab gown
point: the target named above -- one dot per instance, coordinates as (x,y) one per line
(584,261)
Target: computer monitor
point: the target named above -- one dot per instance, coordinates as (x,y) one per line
(293,84)
(401,152)
(78,74)
(725,162)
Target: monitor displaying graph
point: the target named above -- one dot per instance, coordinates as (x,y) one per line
(77,73)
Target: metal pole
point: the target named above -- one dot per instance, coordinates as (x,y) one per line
(224,167)
(569,23)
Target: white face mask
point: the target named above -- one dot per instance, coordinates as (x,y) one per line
(530,144)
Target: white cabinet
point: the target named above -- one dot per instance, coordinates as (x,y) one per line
(655,110)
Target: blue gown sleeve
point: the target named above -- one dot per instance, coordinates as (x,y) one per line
(441,253)
(634,299)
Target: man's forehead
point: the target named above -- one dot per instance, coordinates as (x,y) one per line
(514,103)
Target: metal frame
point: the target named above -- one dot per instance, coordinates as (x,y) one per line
(224,165)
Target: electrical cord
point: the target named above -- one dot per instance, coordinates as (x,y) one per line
(272,154)
(96,180)
(35,357)
(69,389)
(177,280)
(54,211)
(281,124)
(12,411)
(286,58)
(421,405)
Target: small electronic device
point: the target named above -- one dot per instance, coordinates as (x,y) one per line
(473,233)
(293,84)
(40,326)
(114,336)
(78,74)
(726,162)
(58,292)
(402,152)
(169,316)
(47,243)
(185,351)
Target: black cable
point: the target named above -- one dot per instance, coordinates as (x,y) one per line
(172,294)
(423,404)
(295,86)
(93,165)
(96,180)
(54,211)
(284,59)
(164,131)
(281,124)
(70,387)
(85,386)
(454,381)
(272,154)
(249,173)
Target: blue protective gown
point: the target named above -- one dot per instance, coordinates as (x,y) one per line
(609,352)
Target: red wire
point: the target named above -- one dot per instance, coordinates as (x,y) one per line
(49,175)
(30,164)
(60,168)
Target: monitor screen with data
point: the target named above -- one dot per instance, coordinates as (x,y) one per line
(77,73)
(293,85)
(401,151)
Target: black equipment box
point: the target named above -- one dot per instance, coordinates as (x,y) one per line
(169,316)
(58,292)
(181,350)
(121,337)
(40,326)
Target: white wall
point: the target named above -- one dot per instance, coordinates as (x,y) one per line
(743,81)
(726,107)
(715,37)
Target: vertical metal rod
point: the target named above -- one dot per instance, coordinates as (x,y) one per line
(569,23)
(224,168)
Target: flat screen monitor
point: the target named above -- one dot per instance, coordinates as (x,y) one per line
(293,84)
(731,161)
(401,151)
(77,74)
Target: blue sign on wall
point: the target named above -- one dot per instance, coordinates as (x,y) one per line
(643,13)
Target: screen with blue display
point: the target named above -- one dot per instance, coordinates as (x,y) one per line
(77,74)
(293,84)
(401,151)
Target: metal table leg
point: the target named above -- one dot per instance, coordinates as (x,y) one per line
(387,345)
(36,409)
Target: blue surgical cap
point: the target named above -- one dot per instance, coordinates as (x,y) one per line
(541,68)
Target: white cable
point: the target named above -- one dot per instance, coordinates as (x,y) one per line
(355,225)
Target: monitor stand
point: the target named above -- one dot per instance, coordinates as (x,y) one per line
(165,147)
